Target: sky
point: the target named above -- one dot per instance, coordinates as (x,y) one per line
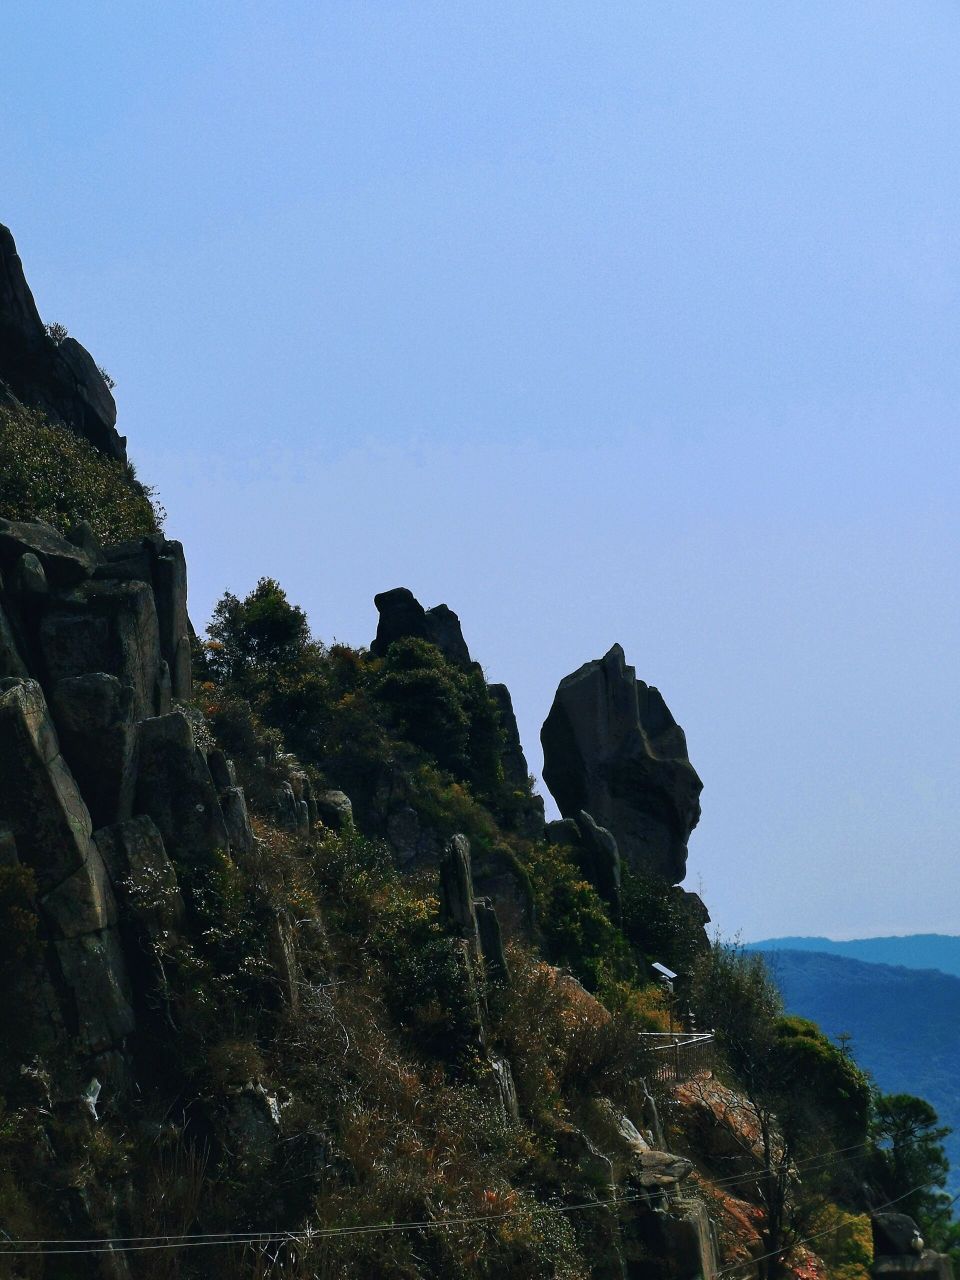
(599,322)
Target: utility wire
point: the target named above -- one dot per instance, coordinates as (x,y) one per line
(311,1234)
(817,1235)
(134,1244)
(804,1165)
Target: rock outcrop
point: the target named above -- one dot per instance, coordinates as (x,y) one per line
(57,376)
(106,795)
(612,749)
(402,615)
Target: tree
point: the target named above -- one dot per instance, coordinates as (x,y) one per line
(908,1161)
(251,636)
(796,1092)
(445,710)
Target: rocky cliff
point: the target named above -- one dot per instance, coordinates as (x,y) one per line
(47,369)
(294,978)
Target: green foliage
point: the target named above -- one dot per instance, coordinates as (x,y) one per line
(19,951)
(908,1160)
(845,1242)
(576,929)
(48,473)
(808,1060)
(733,993)
(396,926)
(658,922)
(261,634)
(444,710)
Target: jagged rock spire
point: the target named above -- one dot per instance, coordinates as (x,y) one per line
(611,748)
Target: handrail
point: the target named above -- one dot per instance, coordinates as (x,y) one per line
(685,1053)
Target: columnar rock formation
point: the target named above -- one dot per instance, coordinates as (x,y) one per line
(612,749)
(102,783)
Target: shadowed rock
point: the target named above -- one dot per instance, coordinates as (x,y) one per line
(94,717)
(63,563)
(39,800)
(59,378)
(175,788)
(612,749)
(142,875)
(595,853)
(899,1252)
(334,810)
(107,626)
(402,615)
(94,970)
(160,563)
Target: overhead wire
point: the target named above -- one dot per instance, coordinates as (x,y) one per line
(139,1244)
(817,1235)
(809,1165)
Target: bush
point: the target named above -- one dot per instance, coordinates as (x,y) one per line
(573,920)
(48,473)
(657,921)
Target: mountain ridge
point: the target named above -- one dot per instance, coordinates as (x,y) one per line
(939,951)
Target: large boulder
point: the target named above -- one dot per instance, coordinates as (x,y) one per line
(899,1252)
(63,563)
(612,749)
(895,1235)
(60,378)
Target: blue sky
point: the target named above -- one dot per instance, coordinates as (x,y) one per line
(599,322)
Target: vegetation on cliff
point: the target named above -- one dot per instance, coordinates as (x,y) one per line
(50,473)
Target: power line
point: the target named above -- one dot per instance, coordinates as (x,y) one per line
(817,1235)
(319,1233)
(231,1236)
(135,1244)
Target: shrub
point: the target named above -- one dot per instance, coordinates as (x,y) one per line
(444,710)
(657,921)
(573,920)
(48,473)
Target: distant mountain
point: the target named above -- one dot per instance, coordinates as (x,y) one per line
(904,1023)
(915,951)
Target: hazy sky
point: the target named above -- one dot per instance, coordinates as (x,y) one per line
(599,322)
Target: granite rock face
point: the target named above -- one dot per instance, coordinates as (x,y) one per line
(59,378)
(105,794)
(612,749)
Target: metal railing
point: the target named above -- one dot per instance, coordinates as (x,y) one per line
(680,1055)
